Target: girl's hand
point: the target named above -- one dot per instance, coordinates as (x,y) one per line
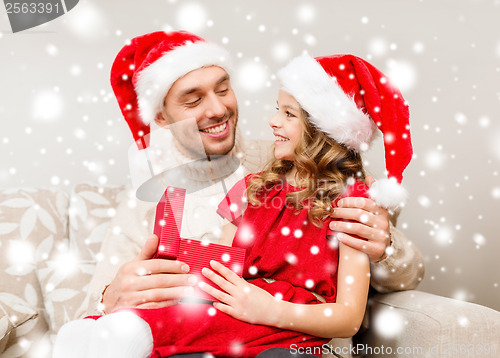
(241,299)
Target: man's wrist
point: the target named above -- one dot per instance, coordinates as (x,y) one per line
(100,304)
(389,249)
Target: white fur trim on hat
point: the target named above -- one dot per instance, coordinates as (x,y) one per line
(331,110)
(154,82)
(388,193)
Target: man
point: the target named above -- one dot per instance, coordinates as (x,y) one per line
(181,82)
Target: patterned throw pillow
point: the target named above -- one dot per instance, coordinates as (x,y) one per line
(65,275)
(14,312)
(31,221)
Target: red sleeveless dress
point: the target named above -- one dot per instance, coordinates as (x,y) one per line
(281,244)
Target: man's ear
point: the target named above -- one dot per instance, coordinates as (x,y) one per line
(160,120)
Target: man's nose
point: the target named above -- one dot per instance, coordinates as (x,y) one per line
(215,107)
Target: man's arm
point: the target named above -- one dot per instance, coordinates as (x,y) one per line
(395,262)
(146,282)
(402,269)
(117,280)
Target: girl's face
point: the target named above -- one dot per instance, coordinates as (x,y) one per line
(287,125)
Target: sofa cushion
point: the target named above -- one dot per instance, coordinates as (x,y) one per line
(91,210)
(31,220)
(64,277)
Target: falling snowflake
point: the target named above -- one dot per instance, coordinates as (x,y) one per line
(246,233)
(460,295)
(21,252)
(424,201)
(460,118)
(47,106)
(252,270)
(349,280)
(79,133)
(281,51)
(484,122)
(87,13)
(285,231)
(402,73)
(495,192)
(291,258)
(418,47)
(192,17)
(306,13)
(378,46)
(310,39)
(388,323)
(309,284)
(463,321)
(434,159)
(75,70)
(52,50)
(252,76)
(443,235)
(479,239)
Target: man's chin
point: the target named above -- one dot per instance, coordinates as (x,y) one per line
(215,149)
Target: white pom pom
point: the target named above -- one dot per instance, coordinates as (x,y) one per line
(388,193)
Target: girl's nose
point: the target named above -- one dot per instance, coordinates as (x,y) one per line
(274,122)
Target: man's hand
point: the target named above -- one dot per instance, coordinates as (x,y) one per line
(371,223)
(148,283)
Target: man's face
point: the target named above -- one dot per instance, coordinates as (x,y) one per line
(206,96)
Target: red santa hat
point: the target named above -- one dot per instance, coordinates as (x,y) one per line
(348,99)
(147,66)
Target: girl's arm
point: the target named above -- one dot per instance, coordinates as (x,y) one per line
(342,318)
(252,304)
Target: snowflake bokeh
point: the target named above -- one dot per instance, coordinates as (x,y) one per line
(61,125)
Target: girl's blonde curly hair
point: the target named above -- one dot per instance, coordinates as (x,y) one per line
(323,167)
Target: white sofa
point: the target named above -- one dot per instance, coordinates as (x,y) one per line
(50,240)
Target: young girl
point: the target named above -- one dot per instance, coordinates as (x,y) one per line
(300,287)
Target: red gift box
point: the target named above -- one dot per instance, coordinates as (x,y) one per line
(197,254)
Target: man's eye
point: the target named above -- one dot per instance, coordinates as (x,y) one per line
(192,103)
(224,91)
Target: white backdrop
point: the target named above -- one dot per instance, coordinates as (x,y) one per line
(60,124)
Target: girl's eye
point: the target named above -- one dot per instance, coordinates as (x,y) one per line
(288,114)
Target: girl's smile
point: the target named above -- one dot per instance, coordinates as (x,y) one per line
(287,126)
